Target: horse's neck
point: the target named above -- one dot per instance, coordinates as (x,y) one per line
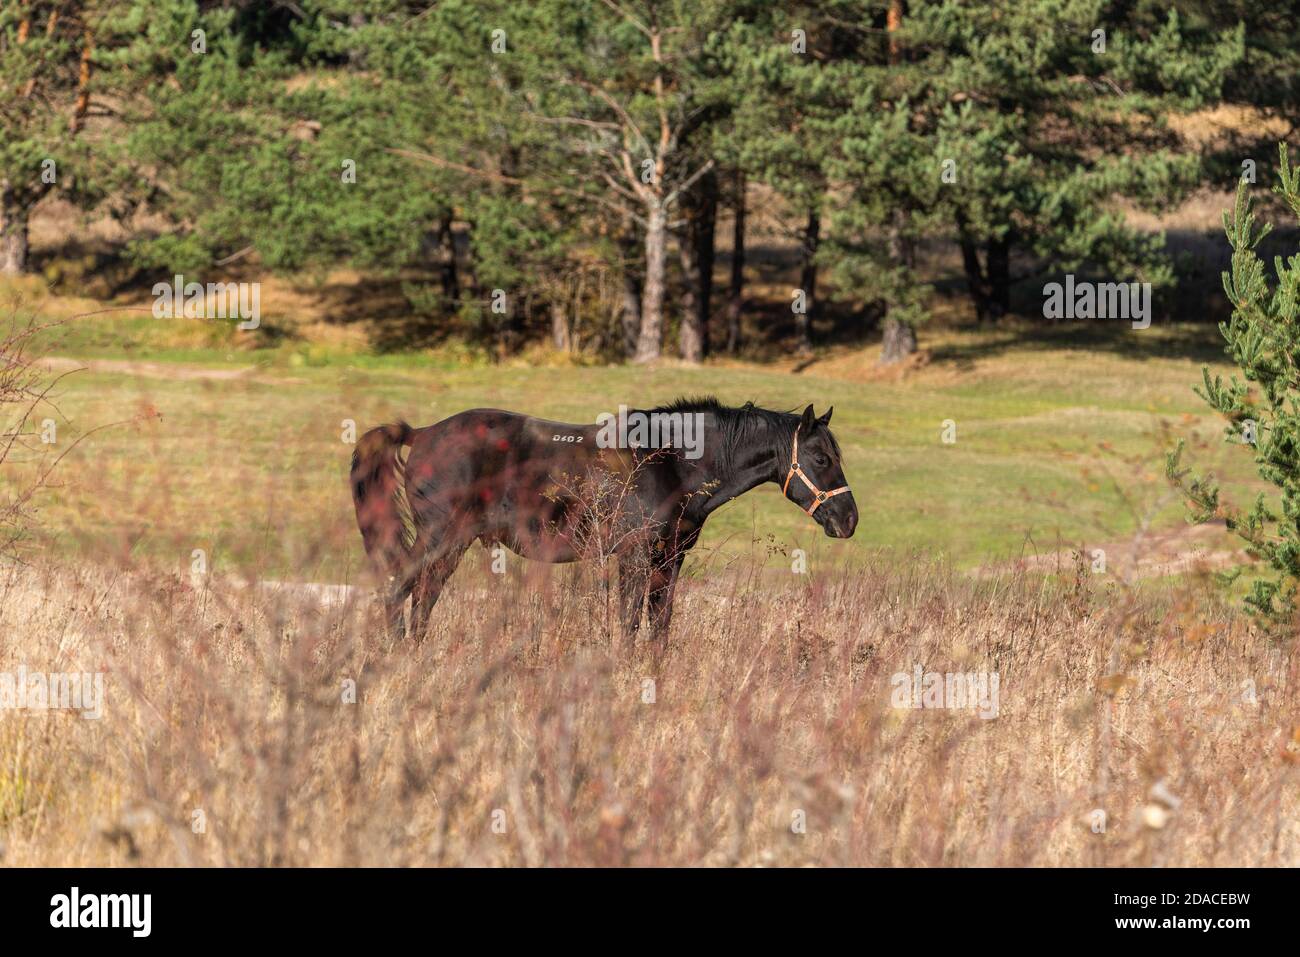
(745,472)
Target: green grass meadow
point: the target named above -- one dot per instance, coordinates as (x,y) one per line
(1059,439)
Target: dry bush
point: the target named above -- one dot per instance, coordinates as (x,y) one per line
(521,711)
(24,390)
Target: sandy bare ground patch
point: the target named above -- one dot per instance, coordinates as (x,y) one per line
(325,594)
(1154,554)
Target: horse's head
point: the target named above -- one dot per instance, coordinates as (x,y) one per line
(814,478)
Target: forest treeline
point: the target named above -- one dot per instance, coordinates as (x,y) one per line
(557,165)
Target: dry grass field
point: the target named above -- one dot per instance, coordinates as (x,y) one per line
(1129,730)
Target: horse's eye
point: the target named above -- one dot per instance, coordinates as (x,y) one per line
(821,461)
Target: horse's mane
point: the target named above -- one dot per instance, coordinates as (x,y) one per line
(740,423)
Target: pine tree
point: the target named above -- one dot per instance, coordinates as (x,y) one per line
(1011,129)
(1262,407)
(227,147)
(311,175)
(1051,111)
(772,61)
(52,59)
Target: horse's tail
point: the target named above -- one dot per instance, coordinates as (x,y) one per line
(379,493)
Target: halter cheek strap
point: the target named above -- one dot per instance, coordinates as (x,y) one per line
(818,495)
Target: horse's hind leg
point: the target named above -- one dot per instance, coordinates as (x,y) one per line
(428,586)
(394,604)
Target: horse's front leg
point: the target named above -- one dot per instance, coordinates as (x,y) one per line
(662,587)
(633,573)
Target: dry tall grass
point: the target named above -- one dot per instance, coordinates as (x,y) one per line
(522,732)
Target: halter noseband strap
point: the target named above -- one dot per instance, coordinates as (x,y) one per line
(818,495)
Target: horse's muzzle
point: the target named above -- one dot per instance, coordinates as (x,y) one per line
(842,525)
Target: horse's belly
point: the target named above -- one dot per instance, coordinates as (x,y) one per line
(545,549)
(543,539)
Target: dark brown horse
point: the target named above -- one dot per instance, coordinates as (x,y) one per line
(639,486)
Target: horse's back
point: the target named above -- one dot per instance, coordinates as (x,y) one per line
(499,430)
(496,454)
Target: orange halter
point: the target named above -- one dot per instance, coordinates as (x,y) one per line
(818,495)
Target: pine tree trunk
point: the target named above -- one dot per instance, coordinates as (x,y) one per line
(976,281)
(899,341)
(13,234)
(999,258)
(808,283)
(899,337)
(561,337)
(356,56)
(690,339)
(706,246)
(447,261)
(697,254)
(504,322)
(82,103)
(650,343)
(631,280)
(736,289)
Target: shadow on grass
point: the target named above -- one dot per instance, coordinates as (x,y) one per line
(1200,342)
(396,324)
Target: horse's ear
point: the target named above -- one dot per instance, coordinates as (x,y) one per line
(808,421)
(825,417)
